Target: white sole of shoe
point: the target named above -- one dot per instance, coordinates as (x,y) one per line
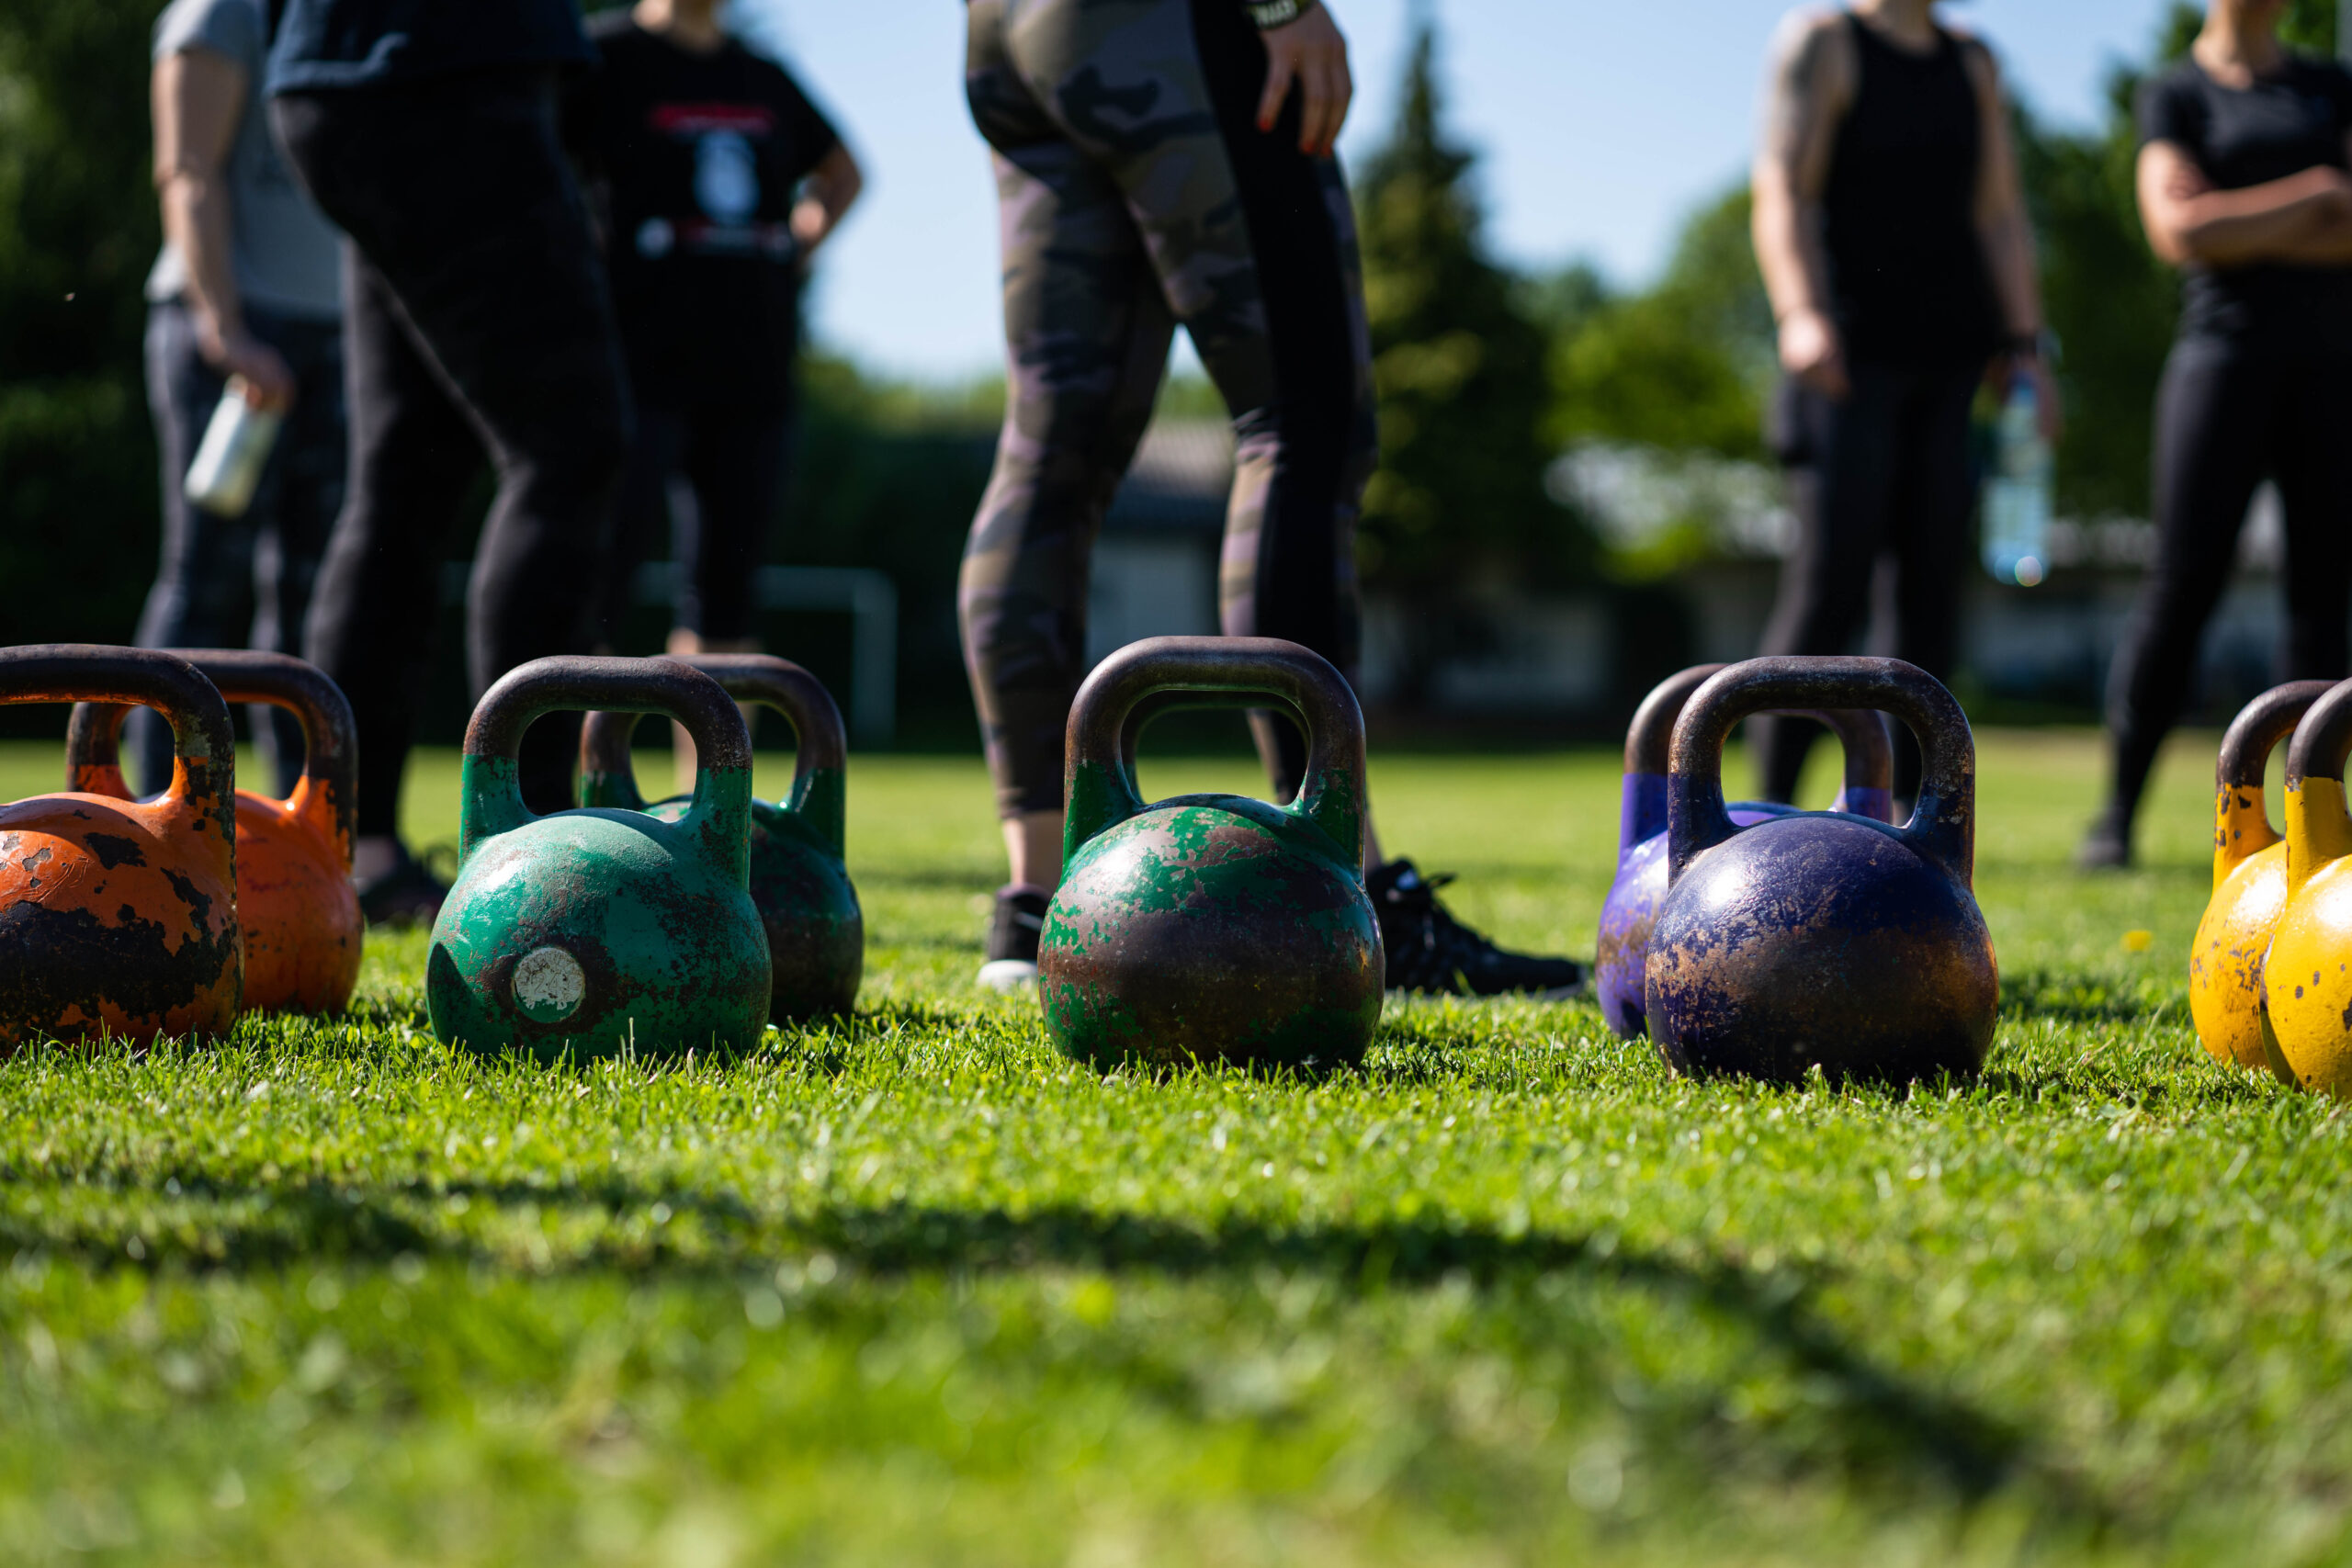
(1008,975)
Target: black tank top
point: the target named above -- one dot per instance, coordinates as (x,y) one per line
(1907,284)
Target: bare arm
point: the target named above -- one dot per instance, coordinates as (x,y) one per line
(831,190)
(2006,236)
(2331,244)
(2306,216)
(1312,53)
(199,97)
(1809,90)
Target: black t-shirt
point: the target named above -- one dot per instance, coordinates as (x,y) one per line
(1907,281)
(700,157)
(2282,124)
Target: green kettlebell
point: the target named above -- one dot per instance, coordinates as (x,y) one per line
(815,932)
(590,930)
(1212,928)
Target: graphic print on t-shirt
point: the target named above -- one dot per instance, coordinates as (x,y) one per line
(727,142)
(726,182)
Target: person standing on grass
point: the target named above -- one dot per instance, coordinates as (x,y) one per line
(1162,162)
(477,325)
(246,293)
(719,181)
(2243,153)
(1892,233)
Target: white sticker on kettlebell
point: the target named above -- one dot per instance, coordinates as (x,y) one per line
(549,984)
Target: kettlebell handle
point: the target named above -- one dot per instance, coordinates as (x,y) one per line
(1145,679)
(2322,737)
(1867,789)
(821,742)
(1943,825)
(2245,756)
(203,744)
(2318,830)
(330,751)
(492,793)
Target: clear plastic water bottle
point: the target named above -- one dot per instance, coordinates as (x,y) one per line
(2016,496)
(230,458)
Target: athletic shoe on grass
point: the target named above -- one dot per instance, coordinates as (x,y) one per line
(408,895)
(1015,925)
(1429,950)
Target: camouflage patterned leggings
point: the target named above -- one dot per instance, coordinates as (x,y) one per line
(1136,193)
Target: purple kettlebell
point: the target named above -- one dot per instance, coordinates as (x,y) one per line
(1631,910)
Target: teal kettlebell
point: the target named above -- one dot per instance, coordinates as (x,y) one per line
(594,930)
(1212,928)
(799,884)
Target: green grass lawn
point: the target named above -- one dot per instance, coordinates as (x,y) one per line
(917,1289)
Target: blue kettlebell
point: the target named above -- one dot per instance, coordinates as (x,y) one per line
(1816,939)
(1631,909)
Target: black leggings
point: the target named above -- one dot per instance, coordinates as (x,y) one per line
(475,323)
(732,458)
(2227,418)
(1135,193)
(1882,489)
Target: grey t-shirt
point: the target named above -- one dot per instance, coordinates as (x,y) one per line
(283,251)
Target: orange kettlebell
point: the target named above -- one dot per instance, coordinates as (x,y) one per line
(119,916)
(294,895)
(2249,884)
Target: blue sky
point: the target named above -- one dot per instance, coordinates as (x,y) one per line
(1600,123)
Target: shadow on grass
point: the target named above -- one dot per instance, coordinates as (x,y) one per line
(1867,1420)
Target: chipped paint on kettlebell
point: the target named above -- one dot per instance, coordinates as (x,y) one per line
(2225,959)
(296,906)
(119,918)
(653,915)
(798,878)
(1629,912)
(1818,940)
(1211,929)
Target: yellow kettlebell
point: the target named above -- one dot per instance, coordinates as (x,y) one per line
(2307,978)
(2249,883)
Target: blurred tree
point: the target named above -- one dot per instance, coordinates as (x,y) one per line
(77,232)
(2310,24)
(1685,364)
(1458,363)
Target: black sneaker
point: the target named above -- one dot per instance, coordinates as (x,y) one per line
(1014,926)
(1429,950)
(408,895)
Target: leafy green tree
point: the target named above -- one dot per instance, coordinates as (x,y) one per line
(1685,364)
(1459,367)
(2310,24)
(77,232)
